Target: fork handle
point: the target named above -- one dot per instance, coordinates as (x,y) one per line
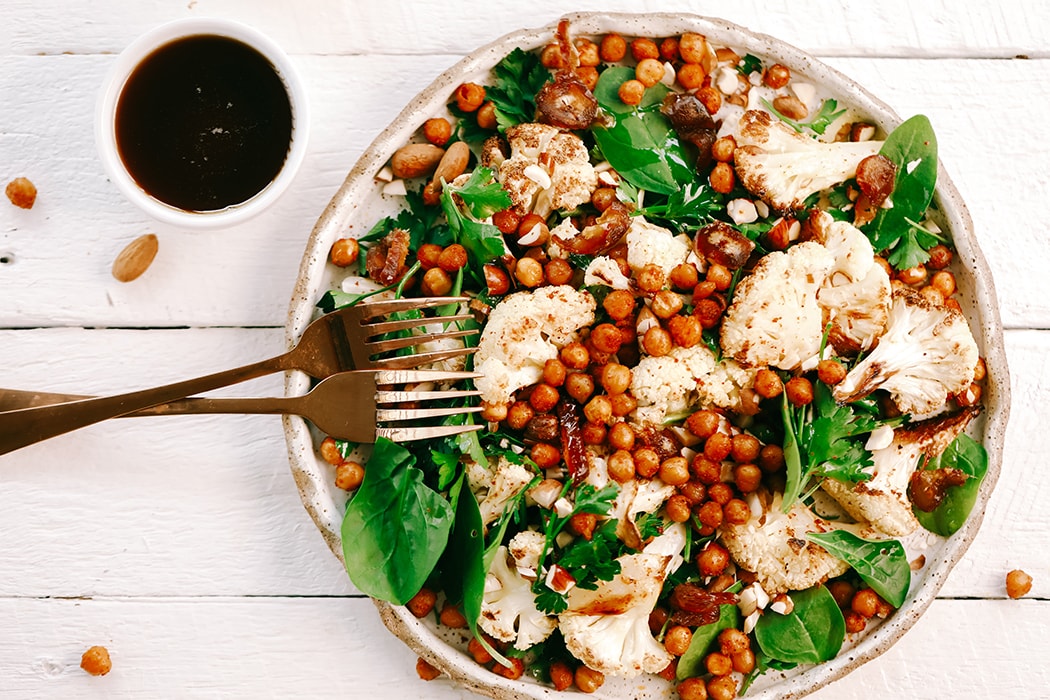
(24,427)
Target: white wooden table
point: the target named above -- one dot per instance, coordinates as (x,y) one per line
(180,544)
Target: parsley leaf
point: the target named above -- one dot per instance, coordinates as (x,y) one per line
(690,207)
(467,128)
(419,220)
(484,242)
(481,194)
(828,113)
(594,560)
(519,77)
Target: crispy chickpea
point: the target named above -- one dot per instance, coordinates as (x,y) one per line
(777,76)
(22,193)
(706,471)
(96,661)
(554,372)
(588,680)
(1018,584)
(646,462)
(344,252)
(451,616)
(437,131)
(588,51)
(422,603)
(651,278)
(722,688)
(865,602)
(606,338)
(621,436)
(598,409)
(561,675)
(768,384)
(588,75)
(622,404)
(842,591)
(944,282)
(940,257)
(723,149)
(980,371)
(643,48)
(694,492)
(721,493)
(529,272)
(690,76)
(515,671)
(666,304)
(855,622)
(720,276)
(428,255)
(692,47)
(558,271)
(883,608)
(710,514)
(657,341)
(674,471)
(744,661)
(669,49)
(613,48)
(575,356)
(579,385)
(686,331)
(469,97)
(913,275)
(551,57)
(619,304)
(543,398)
(718,447)
(478,651)
(583,524)
(631,92)
(736,512)
(649,71)
(678,509)
(831,372)
(452,258)
(621,466)
(330,451)
(349,475)
(722,178)
(545,455)
(703,424)
(692,689)
(486,116)
(710,98)
(733,641)
(426,670)
(494,412)
(799,391)
(684,277)
(677,639)
(747,477)
(519,414)
(932,295)
(745,448)
(594,433)
(506,220)
(718,664)
(436,283)
(771,458)
(615,378)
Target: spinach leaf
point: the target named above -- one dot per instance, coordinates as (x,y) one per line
(810,634)
(691,663)
(882,564)
(966,454)
(395,528)
(912,147)
(463,567)
(640,144)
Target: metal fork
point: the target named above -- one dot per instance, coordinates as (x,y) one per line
(347,405)
(336,342)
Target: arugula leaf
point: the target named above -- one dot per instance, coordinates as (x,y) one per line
(966,454)
(692,206)
(811,633)
(749,64)
(640,143)
(883,564)
(827,114)
(519,76)
(912,147)
(395,528)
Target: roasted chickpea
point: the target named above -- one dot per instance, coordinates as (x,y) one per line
(349,475)
(666,304)
(649,72)
(476,649)
(720,275)
(707,472)
(657,342)
(588,680)
(684,277)
(451,616)
(710,514)
(678,508)
(709,311)
(718,447)
(594,433)
(690,76)
(506,220)
(777,76)
(426,670)
(980,371)
(831,372)
(733,641)
(643,48)
(428,255)
(692,688)
(575,356)
(96,659)
(736,511)
(579,385)
(436,283)
(551,57)
(646,462)
(437,131)
(588,52)
(422,603)
(650,278)
(631,92)
(598,409)
(744,661)
(723,149)
(486,116)
(613,48)
(686,331)
(543,398)
(494,412)
(545,455)
(623,404)
(747,477)
(674,471)
(558,271)
(470,97)
(913,275)
(529,272)
(710,98)
(714,558)
(771,458)
(721,493)
(722,687)
(561,675)
(693,48)
(669,49)
(677,639)
(344,252)
(745,448)
(452,258)
(940,257)
(330,451)
(1018,584)
(621,436)
(703,424)
(865,602)
(855,622)
(621,466)
(694,492)
(554,372)
(842,591)
(768,384)
(606,338)
(619,304)
(615,378)
(944,282)
(799,391)
(515,671)
(519,414)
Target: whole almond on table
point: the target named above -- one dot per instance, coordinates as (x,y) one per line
(416,160)
(135,258)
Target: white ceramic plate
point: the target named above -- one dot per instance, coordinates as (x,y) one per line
(358,204)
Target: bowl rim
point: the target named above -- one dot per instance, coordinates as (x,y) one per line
(430,100)
(113,86)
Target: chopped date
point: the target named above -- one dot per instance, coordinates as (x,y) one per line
(570,419)
(722,244)
(875,177)
(693,606)
(662,441)
(603,235)
(928,487)
(692,123)
(385,261)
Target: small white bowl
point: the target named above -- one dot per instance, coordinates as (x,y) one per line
(105,122)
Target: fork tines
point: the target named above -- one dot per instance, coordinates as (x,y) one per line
(415,376)
(378,346)
(424,433)
(407,433)
(381,308)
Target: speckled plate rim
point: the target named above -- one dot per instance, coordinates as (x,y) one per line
(975,282)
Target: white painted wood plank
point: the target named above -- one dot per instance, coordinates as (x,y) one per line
(63,248)
(336,647)
(887,28)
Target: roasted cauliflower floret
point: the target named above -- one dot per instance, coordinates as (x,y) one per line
(508,608)
(683,378)
(926,353)
(524,331)
(548,169)
(605,271)
(508,479)
(775,318)
(883,500)
(774,546)
(784,167)
(649,244)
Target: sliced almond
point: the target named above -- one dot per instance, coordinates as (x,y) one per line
(135,258)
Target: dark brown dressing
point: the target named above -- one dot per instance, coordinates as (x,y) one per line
(204,123)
